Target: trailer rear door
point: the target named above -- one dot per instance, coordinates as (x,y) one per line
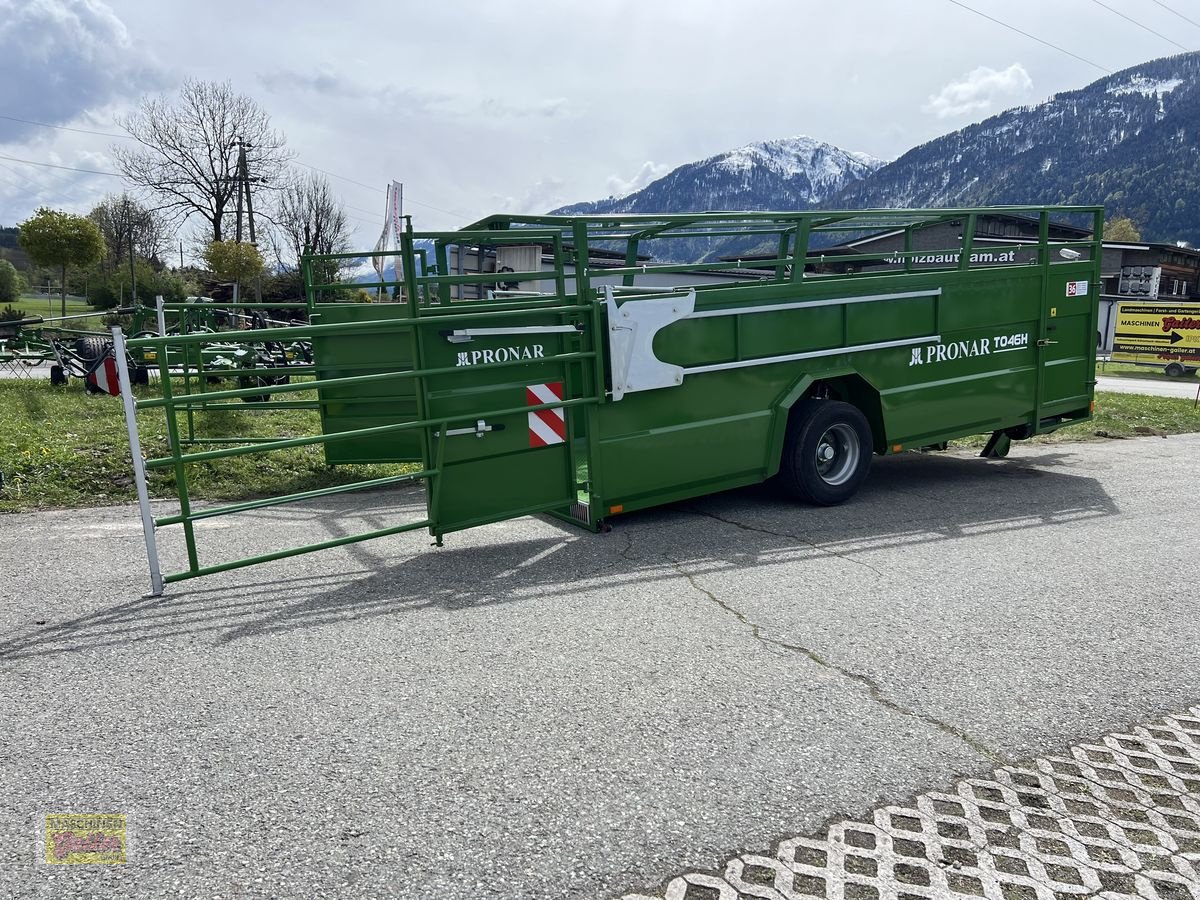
(507,393)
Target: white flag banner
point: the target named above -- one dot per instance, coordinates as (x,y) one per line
(382,244)
(397,211)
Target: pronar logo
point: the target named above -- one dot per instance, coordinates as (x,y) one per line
(500,355)
(941,352)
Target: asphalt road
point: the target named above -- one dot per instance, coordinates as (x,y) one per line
(536,712)
(15,371)
(1188,388)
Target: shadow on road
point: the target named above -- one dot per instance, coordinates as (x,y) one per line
(910,499)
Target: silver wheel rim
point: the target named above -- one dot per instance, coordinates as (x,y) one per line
(837,454)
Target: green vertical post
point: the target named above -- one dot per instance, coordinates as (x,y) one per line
(187,387)
(560,267)
(781,255)
(908,241)
(408,261)
(1044,314)
(185,506)
(631,252)
(968,243)
(310,295)
(800,251)
(598,333)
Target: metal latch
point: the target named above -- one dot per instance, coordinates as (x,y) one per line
(481,428)
(1045,342)
(463,335)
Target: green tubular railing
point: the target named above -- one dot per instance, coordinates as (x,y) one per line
(185,405)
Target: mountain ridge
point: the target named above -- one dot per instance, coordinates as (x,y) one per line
(1126,141)
(797,170)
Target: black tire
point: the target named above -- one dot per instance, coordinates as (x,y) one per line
(58,377)
(90,348)
(140,375)
(249,381)
(1175,370)
(827,452)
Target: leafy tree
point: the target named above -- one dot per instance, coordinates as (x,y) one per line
(108,291)
(54,238)
(186,158)
(1121,229)
(233,261)
(10,282)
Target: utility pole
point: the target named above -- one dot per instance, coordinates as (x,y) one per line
(132,271)
(242,176)
(243,179)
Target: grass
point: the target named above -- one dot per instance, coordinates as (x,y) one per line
(1121,416)
(62,448)
(51,307)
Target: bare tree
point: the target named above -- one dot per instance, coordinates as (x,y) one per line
(310,219)
(122,220)
(188,159)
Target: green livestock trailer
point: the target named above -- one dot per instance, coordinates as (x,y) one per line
(570,365)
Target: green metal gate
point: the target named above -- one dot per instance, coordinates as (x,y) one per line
(484,400)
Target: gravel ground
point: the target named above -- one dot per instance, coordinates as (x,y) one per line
(537,712)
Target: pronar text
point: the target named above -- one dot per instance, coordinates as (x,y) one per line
(500,355)
(940,352)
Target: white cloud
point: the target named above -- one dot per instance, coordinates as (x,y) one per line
(650,171)
(978,90)
(64,57)
(541,197)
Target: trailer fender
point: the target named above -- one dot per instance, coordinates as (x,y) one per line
(846,385)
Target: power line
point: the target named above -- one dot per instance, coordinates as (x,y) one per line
(30,162)
(123,137)
(1158,34)
(448,212)
(1176,12)
(126,137)
(1032,37)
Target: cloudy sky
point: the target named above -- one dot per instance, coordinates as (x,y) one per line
(482,107)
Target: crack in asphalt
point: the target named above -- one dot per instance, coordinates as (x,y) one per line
(874,691)
(780,534)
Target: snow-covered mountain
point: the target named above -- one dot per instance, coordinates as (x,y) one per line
(791,173)
(1127,141)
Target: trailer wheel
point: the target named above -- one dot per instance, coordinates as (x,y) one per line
(58,376)
(90,348)
(827,452)
(1175,370)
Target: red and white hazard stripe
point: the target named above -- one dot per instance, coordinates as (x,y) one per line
(104,376)
(546,426)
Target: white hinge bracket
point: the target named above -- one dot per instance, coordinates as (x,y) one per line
(632,327)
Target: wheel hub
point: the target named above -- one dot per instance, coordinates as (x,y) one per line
(837,454)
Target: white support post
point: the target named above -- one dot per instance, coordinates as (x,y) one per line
(162,316)
(135,451)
